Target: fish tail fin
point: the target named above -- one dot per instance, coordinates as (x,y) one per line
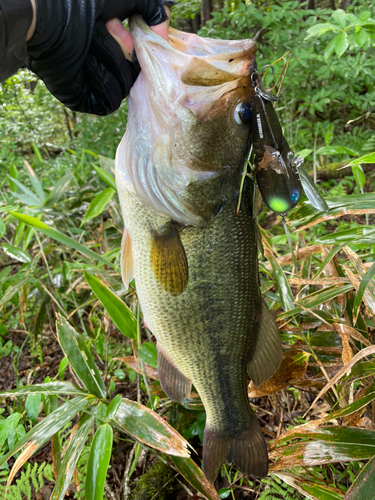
(247,450)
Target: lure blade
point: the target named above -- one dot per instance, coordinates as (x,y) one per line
(311,191)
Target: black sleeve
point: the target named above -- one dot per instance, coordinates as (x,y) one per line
(15,20)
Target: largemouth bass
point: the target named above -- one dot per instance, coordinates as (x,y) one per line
(178,172)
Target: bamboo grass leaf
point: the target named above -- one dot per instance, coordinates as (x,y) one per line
(100,455)
(16,253)
(98,204)
(107,178)
(120,314)
(60,237)
(361,290)
(363,486)
(35,181)
(60,188)
(49,388)
(360,355)
(12,290)
(309,488)
(43,431)
(195,476)
(285,292)
(321,446)
(79,357)
(72,454)
(149,428)
(32,199)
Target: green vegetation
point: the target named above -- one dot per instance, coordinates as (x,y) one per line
(77,363)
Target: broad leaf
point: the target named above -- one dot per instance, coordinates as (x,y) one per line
(32,406)
(148,354)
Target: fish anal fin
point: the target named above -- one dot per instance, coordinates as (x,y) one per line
(266,357)
(126,259)
(175,385)
(247,450)
(168,260)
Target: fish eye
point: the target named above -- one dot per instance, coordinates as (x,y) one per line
(242,113)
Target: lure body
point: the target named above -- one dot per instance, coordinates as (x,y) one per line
(280,176)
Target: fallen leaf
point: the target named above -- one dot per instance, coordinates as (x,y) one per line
(292,368)
(134,363)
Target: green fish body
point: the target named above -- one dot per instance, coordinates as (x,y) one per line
(178,172)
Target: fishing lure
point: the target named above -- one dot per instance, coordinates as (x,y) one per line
(279,173)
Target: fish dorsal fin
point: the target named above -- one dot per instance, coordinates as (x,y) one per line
(175,385)
(126,259)
(168,260)
(266,357)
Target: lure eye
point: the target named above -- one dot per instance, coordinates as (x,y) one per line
(242,113)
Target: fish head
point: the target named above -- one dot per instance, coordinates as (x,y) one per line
(189,124)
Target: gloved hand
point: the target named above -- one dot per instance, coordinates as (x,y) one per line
(72,51)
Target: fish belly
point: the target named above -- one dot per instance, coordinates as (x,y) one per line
(209,330)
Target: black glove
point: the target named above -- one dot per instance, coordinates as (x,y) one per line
(72,51)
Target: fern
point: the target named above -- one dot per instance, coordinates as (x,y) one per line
(369,145)
(32,476)
(276,489)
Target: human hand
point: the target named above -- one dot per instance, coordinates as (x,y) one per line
(81,64)
(123,37)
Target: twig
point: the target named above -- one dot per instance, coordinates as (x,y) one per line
(109,491)
(126,489)
(166,484)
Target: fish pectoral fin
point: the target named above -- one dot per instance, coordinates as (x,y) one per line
(266,357)
(175,385)
(126,259)
(247,450)
(168,260)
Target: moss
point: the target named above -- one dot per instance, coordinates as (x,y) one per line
(153,481)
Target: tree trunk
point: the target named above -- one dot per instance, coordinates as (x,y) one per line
(206,8)
(310,5)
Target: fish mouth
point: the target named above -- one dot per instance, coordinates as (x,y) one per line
(198,61)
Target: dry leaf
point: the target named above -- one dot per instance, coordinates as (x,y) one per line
(348,330)
(293,368)
(362,354)
(134,363)
(23,458)
(345,211)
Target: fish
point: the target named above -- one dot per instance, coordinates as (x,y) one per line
(194,260)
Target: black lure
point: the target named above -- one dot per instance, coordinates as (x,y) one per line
(279,173)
